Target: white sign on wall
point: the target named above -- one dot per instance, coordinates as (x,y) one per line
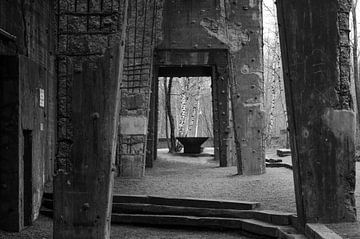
(42,97)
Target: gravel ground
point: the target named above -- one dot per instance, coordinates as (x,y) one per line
(194,177)
(202,178)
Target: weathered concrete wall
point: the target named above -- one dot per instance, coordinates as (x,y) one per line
(30,22)
(321,110)
(245,18)
(144,21)
(237,27)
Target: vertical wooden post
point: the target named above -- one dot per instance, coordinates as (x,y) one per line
(215,108)
(223,115)
(315,50)
(83,192)
(152,125)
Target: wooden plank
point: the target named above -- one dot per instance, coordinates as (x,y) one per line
(248,225)
(83,193)
(277,218)
(186,202)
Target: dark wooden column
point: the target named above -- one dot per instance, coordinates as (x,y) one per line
(215,109)
(11,190)
(83,187)
(223,114)
(316,58)
(151,142)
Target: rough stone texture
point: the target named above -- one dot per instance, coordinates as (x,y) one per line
(321,115)
(200,26)
(142,32)
(91,42)
(30,22)
(85,29)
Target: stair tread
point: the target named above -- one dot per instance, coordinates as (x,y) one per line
(249,225)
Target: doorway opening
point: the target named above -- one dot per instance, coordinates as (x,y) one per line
(185,113)
(27,163)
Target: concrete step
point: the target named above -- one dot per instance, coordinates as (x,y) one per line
(283,152)
(186,202)
(275,217)
(46,212)
(47,195)
(320,231)
(252,226)
(278,218)
(48,203)
(172,201)
(279,165)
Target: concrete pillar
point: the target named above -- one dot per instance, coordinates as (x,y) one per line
(136,88)
(316,58)
(246,56)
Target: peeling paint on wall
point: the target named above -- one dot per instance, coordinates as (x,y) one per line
(339,125)
(230,33)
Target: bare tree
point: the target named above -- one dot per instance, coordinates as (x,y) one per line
(355,55)
(167,88)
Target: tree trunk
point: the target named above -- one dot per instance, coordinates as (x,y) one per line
(172,148)
(355,57)
(166,115)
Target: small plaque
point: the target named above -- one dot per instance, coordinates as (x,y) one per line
(42,98)
(41,127)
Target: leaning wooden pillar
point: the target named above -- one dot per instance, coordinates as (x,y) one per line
(151,144)
(247,85)
(83,190)
(316,58)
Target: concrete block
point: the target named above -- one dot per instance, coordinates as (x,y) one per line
(133,125)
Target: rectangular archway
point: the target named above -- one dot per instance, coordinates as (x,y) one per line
(185,63)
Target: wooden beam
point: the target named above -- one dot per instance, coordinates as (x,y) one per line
(7,35)
(315,47)
(83,193)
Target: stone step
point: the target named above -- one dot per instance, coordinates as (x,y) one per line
(320,231)
(186,202)
(275,217)
(279,165)
(47,203)
(46,212)
(278,218)
(283,152)
(172,201)
(252,226)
